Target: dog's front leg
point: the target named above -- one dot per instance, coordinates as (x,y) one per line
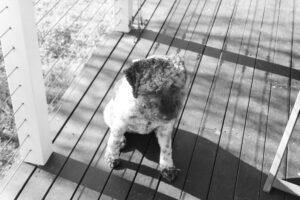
(115,140)
(164,137)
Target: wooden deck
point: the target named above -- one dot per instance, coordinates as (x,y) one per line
(243,62)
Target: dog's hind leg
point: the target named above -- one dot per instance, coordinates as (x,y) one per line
(115,140)
(164,137)
(123,143)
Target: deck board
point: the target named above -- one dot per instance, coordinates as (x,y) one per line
(243,62)
(249,175)
(280,93)
(224,175)
(293,160)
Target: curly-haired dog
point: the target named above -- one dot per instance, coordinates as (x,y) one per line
(148,98)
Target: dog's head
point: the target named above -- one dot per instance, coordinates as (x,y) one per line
(158,77)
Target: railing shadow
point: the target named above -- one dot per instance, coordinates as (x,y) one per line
(227,55)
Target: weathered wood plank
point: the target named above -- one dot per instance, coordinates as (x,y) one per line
(280,94)
(280,85)
(293,160)
(249,174)
(225,172)
(210,130)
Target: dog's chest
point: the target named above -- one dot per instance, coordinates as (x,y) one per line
(141,125)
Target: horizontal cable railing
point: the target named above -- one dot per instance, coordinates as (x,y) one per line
(17,164)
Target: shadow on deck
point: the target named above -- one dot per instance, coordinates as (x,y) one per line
(96,178)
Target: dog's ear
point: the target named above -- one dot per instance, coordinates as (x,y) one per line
(133,77)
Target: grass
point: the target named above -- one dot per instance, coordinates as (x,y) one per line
(64,49)
(8,138)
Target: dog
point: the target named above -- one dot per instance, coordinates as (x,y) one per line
(148,97)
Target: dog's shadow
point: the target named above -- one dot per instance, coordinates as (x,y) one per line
(195,157)
(146,144)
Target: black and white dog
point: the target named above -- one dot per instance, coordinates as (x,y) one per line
(147,98)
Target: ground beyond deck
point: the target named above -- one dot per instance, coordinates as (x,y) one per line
(242,58)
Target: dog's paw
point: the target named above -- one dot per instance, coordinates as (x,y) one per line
(169,173)
(112,160)
(113,163)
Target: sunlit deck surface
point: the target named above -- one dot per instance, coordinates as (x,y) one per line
(243,63)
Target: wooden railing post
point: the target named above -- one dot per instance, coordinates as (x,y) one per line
(26,82)
(123,15)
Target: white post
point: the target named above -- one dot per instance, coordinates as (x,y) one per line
(122,15)
(27,81)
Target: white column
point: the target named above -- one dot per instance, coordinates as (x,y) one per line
(32,117)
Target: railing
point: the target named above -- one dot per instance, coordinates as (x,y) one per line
(29,77)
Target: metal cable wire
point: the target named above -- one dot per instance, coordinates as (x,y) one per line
(15,171)
(7,53)
(8,98)
(82,28)
(9,75)
(52,8)
(76,36)
(59,107)
(3,9)
(62,90)
(71,24)
(97,25)
(17,150)
(17,168)
(12,71)
(35,3)
(75,71)
(5,32)
(17,110)
(68,10)
(12,136)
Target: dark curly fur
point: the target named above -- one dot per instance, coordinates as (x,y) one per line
(155,79)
